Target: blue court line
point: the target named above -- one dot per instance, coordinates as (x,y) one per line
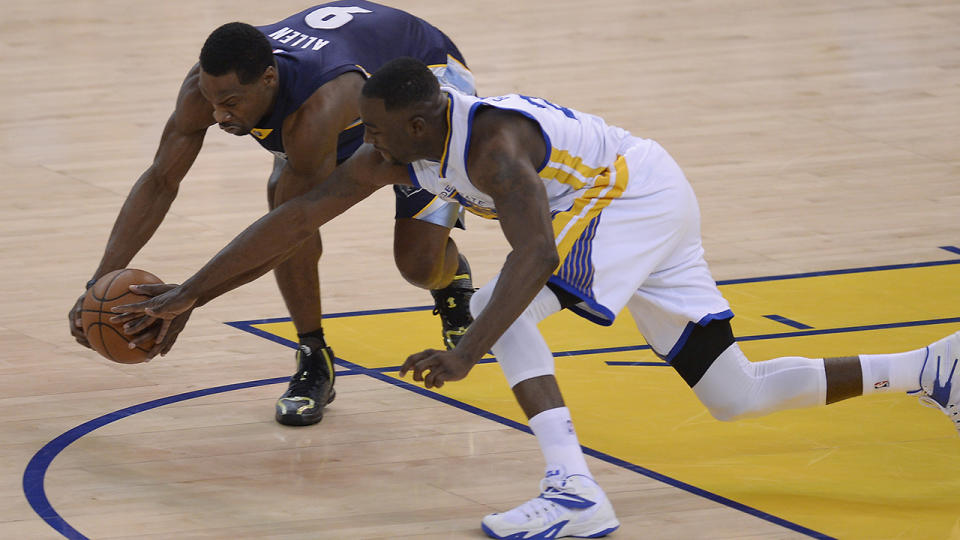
(781,335)
(841,271)
(35,472)
(623,363)
(812,332)
(379,375)
(788,322)
(244,325)
(33,476)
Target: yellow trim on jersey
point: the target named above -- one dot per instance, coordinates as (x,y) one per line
(261,133)
(569,169)
(449,57)
(356,123)
(366,73)
(569,225)
(426,208)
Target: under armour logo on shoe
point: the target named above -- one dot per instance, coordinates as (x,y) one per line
(451,303)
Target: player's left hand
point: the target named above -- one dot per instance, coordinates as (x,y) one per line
(439,367)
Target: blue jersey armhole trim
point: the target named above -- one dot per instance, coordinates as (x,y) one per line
(413,176)
(546,156)
(546,140)
(466,146)
(473,110)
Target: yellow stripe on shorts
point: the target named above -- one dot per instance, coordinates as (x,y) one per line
(569,225)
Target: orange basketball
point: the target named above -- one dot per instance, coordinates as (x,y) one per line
(107,338)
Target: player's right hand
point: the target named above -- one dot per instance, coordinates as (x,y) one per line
(76,324)
(169,303)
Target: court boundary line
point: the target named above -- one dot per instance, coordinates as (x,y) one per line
(34,475)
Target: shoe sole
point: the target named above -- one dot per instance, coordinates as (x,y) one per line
(305,419)
(597,534)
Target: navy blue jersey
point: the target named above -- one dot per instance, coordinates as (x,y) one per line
(320,43)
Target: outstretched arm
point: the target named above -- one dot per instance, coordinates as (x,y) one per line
(151,196)
(505,151)
(275,236)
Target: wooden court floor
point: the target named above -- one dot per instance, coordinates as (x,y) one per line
(819,136)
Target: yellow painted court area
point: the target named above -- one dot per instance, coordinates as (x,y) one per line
(874,467)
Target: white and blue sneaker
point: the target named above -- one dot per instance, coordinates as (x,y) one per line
(574,506)
(940,378)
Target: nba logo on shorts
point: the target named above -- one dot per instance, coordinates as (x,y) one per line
(881,384)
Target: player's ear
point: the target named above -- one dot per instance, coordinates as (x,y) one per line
(269,76)
(417,125)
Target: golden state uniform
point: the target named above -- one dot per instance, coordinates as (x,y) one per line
(625,219)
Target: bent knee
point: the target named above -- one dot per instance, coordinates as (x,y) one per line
(420,273)
(728,410)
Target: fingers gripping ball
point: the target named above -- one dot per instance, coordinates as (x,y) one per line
(107,338)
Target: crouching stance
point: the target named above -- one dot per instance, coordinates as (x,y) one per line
(597,220)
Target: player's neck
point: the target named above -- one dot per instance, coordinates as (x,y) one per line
(440,119)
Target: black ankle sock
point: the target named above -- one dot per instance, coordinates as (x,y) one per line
(316,335)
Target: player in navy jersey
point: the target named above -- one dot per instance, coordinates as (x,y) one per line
(294,87)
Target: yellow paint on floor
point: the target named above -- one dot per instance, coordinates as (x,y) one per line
(875,467)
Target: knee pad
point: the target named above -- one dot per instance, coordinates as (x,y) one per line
(703,346)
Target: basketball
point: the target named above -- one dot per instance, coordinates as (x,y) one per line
(107,338)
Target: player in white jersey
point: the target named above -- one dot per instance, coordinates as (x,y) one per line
(597,220)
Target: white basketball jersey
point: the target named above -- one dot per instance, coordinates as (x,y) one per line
(625,220)
(580,163)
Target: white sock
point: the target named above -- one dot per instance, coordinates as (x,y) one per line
(558,442)
(892,372)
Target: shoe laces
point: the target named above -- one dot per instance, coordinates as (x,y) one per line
(541,508)
(310,370)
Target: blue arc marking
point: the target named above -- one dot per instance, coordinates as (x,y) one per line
(35,472)
(34,475)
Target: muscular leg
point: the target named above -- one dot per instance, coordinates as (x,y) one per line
(297,277)
(527,364)
(732,387)
(311,387)
(424,252)
(428,258)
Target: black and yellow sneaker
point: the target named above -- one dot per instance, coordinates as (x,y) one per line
(452,303)
(310,390)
